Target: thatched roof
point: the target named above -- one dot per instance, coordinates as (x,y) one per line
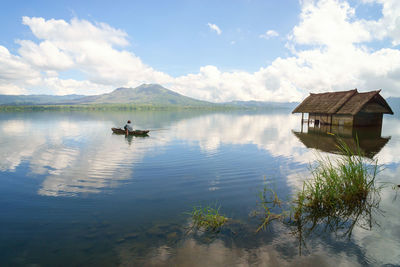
(344,102)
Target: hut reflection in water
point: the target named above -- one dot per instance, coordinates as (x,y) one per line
(324,138)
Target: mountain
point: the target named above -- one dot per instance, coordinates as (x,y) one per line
(263,104)
(144,94)
(36,99)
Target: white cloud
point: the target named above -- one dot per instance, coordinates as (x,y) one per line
(329,22)
(15,73)
(215,28)
(71,86)
(269,34)
(45,55)
(11,89)
(388,26)
(327,55)
(80,31)
(214,85)
(78,45)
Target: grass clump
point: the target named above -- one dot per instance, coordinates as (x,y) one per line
(339,193)
(207,218)
(268,203)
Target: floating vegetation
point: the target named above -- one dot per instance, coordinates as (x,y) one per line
(207,218)
(268,203)
(341,194)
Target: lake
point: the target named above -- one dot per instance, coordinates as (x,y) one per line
(74,194)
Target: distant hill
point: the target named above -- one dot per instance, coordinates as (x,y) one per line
(36,99)
(264,104)
(144,94)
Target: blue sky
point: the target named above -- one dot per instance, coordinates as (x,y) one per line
(173,36)
(177,44)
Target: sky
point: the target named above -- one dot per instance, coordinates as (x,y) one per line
(211,50)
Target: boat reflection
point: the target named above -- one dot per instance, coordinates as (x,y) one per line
(324,138)
(130,138)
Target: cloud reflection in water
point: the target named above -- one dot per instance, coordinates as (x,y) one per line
(83,157)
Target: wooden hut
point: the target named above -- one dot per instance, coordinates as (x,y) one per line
(347,108)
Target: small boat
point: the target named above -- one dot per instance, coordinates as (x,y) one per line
(135,132)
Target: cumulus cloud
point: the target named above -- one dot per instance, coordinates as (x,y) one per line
(214,85)
(388,26)
(71,86)
(79,45)
(215,28)
(329,22)
(15,73)
(329,51)
(45,55)
(269,34)
(77,30)
(11,89)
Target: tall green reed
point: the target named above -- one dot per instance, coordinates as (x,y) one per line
(340,194)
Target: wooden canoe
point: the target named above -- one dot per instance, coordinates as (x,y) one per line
(135,132)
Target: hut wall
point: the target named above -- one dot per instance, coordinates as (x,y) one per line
(342,131)
(368,119)
(323,119)
(342,120)
(360,119)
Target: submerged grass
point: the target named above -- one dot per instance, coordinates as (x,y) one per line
(268,204)
(207,218)
(339,193)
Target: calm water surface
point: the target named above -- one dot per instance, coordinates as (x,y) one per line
(72,193)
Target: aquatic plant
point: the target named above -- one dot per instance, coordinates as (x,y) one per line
(268,204)
(207,218)
(340,194)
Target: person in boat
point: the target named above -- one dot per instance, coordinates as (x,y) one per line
(128,127)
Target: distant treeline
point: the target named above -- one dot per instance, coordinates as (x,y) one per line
(127,107)
(95,107)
